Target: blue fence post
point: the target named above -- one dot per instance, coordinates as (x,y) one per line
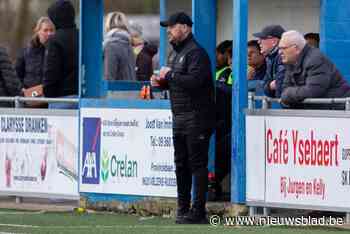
(90,58)
(204,30)
(204,27)
(163,34)
(239,101)
(334,33)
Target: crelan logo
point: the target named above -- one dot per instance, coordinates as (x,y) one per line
(105,166)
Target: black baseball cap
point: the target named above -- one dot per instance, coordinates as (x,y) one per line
(177,18)
(270,31)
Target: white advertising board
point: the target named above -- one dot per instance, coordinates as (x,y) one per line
(307,161)
(127,151)
(255,162)
(39,154)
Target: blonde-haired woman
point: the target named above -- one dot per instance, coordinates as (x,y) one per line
(119,59)
(30,62)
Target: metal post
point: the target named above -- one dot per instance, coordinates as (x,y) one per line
(251,100)
(266,211)
(17,102)
(347,104)
(19,200)
(252,211)
(265,103)
(347,218)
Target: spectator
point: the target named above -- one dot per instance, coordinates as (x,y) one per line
(144,53)
(61,67)
(10,85)
(119,59)
(256,67)
(268,40)
(189,79)
(312,39)
(309,73)
(223,70)
(30,62)
(223,126)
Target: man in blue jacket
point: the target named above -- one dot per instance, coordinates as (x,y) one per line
(269,38)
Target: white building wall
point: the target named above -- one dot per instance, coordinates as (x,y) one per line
(301,15)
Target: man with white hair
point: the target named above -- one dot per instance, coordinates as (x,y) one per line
(309,74)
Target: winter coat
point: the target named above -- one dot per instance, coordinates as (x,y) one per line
(61,69)
(313,76)
(144,62)
(30,64)
(10,85)
(119,59)
(191,87)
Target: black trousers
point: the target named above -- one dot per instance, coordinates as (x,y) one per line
(191,161)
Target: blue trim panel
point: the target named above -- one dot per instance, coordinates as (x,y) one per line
(127,104)
(124,85)
(103,197)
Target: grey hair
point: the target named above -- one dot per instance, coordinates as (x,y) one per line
(136,30)
(117,20)
(295,37)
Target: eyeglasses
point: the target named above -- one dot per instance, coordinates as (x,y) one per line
(286,47)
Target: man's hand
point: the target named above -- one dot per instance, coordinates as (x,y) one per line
(272,85)
(251,73)
(163,71)
(154,81)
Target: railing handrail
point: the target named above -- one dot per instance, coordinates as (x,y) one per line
(266,100)
(19,99)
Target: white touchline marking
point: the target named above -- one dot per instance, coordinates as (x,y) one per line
(17,225)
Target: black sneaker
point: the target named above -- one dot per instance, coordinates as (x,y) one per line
(180,215)
(196,217)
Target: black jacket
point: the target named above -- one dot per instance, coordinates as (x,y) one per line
(61,69)
(144,63)
(10,85)
(191,87)
(313,76)
(29,65)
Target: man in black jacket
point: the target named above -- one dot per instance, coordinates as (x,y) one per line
(62,56)
(189,79)
(10,85)
(309,74)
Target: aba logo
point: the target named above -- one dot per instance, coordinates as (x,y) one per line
(91,151)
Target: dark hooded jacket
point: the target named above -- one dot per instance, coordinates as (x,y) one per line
(62,56)
(144,63)
(10,85)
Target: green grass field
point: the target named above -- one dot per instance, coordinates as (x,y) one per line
(38,222)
